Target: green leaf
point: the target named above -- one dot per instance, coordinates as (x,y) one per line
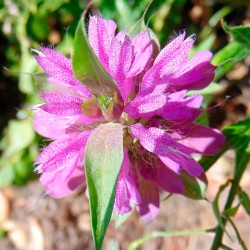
(87,68)
(219,15)
(227,57)
(234,51)
(120,219)
(216,209)
(194,188)
(211,89)
(140,26)
(239,33)
(103,159)
(238,138)
(245,201)
(231,211)
(124,9)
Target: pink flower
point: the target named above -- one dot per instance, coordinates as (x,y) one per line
(160,134)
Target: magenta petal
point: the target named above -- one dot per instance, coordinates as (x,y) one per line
(126,188)
(168,61)
(174,166)
(162,176)
(61,183)
(167,179)
(150,200)
(195,74)
(57,97)
(62,153)
(101,33)
(62,109)
(186,109)
(205,140)
(57,66)
(51,126)
(157,141)
(143,53)
(147,102)
(121,56)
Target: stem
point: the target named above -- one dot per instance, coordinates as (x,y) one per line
(135,244)
(241,164)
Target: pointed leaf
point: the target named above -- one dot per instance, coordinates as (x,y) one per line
(120,219)
(234,51)
(231,211)
(216,208)
(238,33)
(86,66)
(103,159)
(245,201)
(194,187)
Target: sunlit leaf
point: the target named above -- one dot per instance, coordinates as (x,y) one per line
(245,201)
(86,66)
(216,208)
(228,56)
(231,211)
(239,33)
(238,138)
(211,89)
(103,159)
(194,188)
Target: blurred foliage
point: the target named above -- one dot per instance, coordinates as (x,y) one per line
(25,25)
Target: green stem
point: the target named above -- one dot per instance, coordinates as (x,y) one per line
(135,244)
(241,164)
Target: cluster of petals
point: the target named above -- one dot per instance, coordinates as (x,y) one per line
(160,133)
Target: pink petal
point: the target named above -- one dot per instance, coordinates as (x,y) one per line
(126,188)
(61,183)
(157,141)
(150,200)
(143,50)
(205,140)
(168,61)
(58,97)
(186,109)
(162,176)
(80,89)
(62,109)
(57,66)
(147,102)
(195,74)
(167,179)
(174,166)
(101,33)
(120,60)
(51,126)
(62,153)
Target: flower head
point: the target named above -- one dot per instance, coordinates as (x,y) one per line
(158,118)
